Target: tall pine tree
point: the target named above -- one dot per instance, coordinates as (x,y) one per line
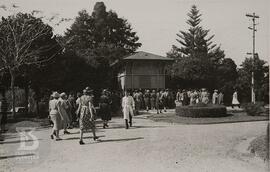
(197,58)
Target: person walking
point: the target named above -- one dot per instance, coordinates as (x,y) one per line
(146,98)
(55,116)
(235,101)
(104,109)
(63,110)
(72,108)
(3,112)
(87,119)
(128,106)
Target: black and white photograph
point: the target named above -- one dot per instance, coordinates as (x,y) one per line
(134,85)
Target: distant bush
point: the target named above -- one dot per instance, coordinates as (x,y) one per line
(202,110)
(254,109)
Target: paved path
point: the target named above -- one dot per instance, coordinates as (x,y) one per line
(148,146)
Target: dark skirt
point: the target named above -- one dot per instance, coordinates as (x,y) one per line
(104,112)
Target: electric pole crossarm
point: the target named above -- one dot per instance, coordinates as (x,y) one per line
(252,15)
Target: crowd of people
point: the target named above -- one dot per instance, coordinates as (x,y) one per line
(65,111)
(69,111)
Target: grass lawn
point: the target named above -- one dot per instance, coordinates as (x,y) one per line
(232,117)
(259,146)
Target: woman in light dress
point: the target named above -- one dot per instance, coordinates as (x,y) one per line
(235,101)
(204,96)
(215,97)
(86,111)
(55,116)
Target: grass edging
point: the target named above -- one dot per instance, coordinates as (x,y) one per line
(232,118)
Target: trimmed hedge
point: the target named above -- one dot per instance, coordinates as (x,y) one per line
(201,111)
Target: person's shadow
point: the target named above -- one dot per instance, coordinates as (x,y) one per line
(15,156)
(117,140)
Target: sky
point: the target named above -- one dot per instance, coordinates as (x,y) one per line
(158,21)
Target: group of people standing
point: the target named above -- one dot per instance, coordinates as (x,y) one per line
(153,100)
(192,97)
(64,111)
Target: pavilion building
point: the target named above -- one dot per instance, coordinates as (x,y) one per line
(143,70)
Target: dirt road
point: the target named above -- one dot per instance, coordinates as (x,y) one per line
(148,146)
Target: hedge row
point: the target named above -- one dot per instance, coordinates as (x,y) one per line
(201,111)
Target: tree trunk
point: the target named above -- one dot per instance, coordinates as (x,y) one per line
(12,81)
(37,99)
(26,91)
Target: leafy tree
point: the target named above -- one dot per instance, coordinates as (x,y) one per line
(226,77)
(101,38)
(261,79)
(24,41)
(197,60)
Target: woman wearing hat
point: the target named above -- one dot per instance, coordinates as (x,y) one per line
(55,116)
(104,108)
(86,109)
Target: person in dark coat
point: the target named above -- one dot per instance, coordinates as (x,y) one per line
(104,108)
(185,98)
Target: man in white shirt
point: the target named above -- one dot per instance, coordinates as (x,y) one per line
(128,106)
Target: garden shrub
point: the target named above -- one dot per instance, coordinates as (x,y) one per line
(202,110)
(254,109)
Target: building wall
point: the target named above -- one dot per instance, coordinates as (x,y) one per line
(144,74)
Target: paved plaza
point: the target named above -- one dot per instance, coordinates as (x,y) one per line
(148,146)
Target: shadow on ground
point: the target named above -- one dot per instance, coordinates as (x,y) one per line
(118,140)
(133,127)
(77,138)
(16,141)
(15,156)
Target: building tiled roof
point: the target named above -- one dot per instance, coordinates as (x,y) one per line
(141,55)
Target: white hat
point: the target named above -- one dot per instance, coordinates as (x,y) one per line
(55,94)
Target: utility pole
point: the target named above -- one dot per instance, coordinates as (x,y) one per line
(253,28)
